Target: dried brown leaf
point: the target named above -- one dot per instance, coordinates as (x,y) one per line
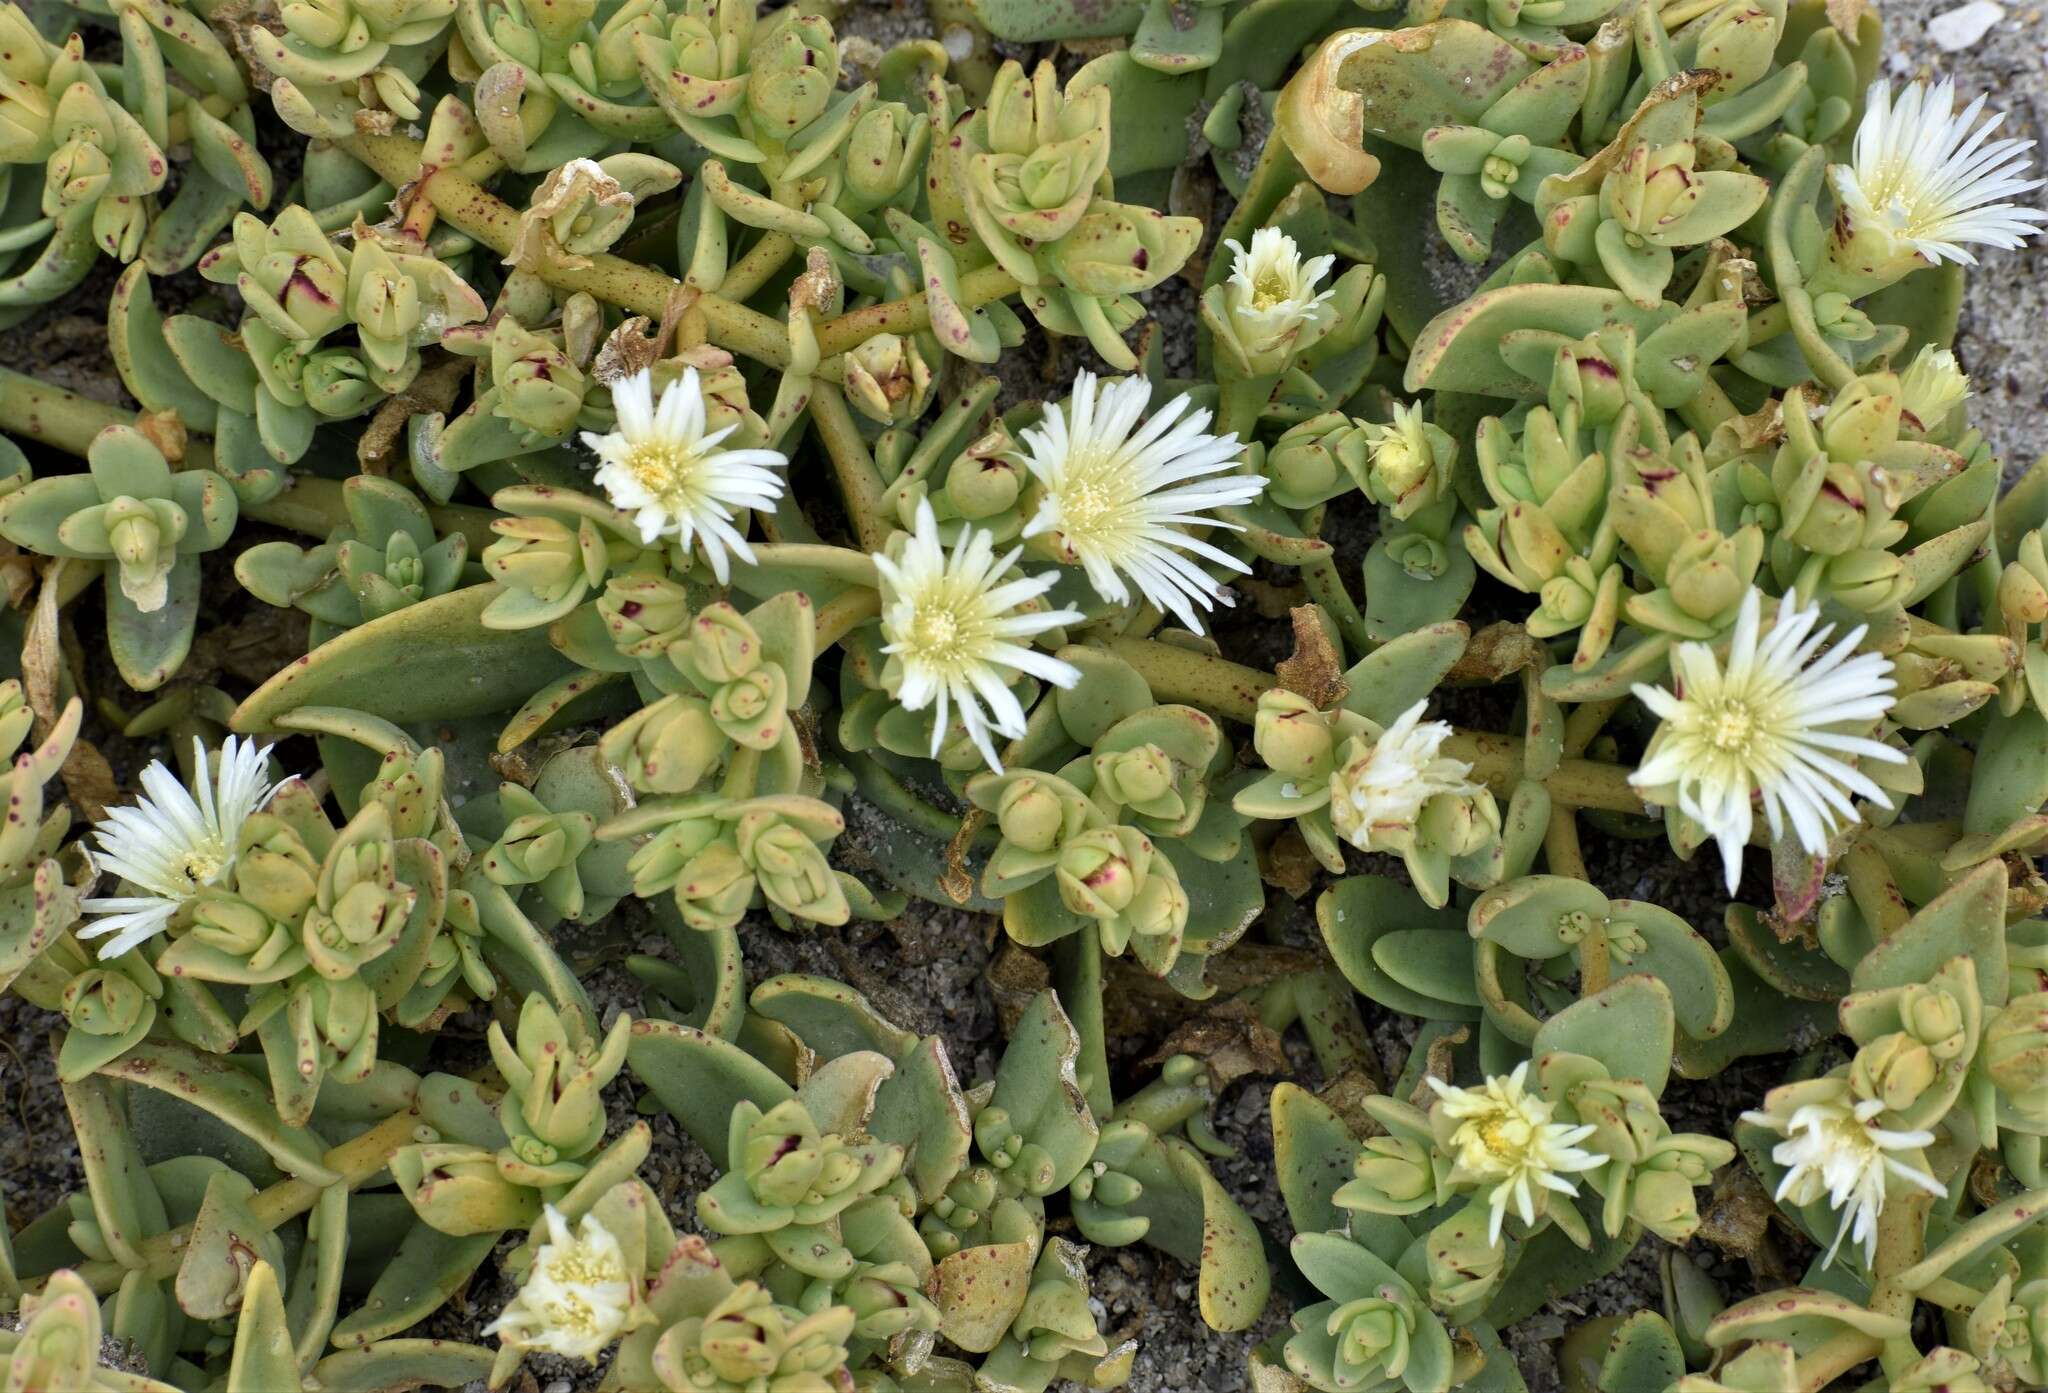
(1230,1040)
(1316,669)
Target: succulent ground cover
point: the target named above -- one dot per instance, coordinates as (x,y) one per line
(592,548)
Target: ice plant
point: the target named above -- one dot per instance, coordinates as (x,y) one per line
(1116,496)
(578,1296)
(1834,1147)
(1500,1135)
(1386,784)
(750,462)
(172,844)
(1272,289)
(665,468)
(1776,723)
(958,628)
(1932,386)
(1925,179)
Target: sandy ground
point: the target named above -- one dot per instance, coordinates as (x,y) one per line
(928,970)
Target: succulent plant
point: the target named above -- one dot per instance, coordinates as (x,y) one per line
(640,403)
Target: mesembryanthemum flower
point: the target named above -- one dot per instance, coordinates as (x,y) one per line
(578,1296)
(665,468)
(1383,787)
(1771,724)
(170,845)
(1501,1135)
(1834,1147)
(1272,291)
(958,631)
(1116,496)
(1922,181)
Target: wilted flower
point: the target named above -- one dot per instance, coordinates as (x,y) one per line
(1117,495)
(1834,1147)
(663,466)
(1771,725)
(578,1296)
(1385,785)
(953,625)
(171,844)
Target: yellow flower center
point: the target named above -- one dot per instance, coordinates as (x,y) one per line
(1086,506)
(665,469)
(935,632)
(1731,726)
(1270,287)
(201,864)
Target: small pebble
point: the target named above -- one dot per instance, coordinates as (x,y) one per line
(1961,28)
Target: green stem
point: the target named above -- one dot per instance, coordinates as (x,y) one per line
(66,421)
(467,206)
(1232,690)
(845,612)
(859,482)
(1326,586)
(752,271)
(52,416)
(358,1161)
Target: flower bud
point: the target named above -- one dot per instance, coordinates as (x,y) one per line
(1932,386)
(794,70)
(539,386)
(722,646)
(1096,877)
(667,747)
(1144,779)
(106,1001)
(2015,1054)
(1410,462)
(1894,1068)
(1291,735)
(981,487)
(644,613)
(888,379)
(788,859)
(1031,815)
(545,556)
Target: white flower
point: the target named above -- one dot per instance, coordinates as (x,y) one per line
(578,1295)
(1921,176)
(1117,494)
(170,845)
(1932,386)
(662,466)
(1772,726)
(1386,786)
(1505,1134)
(1271,289)
(1835,1147)
(954,625)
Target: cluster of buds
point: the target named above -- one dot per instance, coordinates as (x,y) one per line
(388,556)
(790,1184)
(1340,777)
(1650,1172)
(534,386)
(1064,860)
(718,857)
(340,66)
(301,286)
(132,510)
(1551,529)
